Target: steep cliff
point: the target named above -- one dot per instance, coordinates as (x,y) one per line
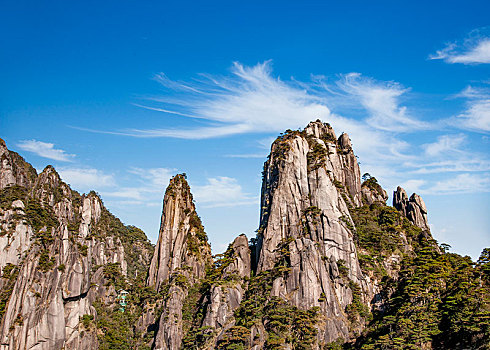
(332,266)
(180,260)
(56,246)
(311,179)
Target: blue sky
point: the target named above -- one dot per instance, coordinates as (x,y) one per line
(119,96)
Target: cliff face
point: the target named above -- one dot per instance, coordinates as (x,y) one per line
(181,256)
(311,179)
(331,264)
(55,248)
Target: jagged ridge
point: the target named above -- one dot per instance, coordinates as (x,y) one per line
(332,265)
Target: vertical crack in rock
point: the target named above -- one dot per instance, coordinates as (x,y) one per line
(180,259)
(310,181)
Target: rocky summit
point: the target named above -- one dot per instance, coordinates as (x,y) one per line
(332,265)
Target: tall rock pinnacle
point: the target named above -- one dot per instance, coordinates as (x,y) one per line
(309,182)
(180,259)
(182,241)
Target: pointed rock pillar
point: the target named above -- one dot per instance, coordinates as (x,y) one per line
(181,241)
(180,259)
(413,208)
(310,181)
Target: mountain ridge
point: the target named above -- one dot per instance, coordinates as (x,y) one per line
(332,266)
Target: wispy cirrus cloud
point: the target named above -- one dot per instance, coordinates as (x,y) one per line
(381,100)
(476,116)
(252,100)
(45,150)
(474,49)
(444,144)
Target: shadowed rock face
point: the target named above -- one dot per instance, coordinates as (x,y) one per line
(310,181)
(413,208)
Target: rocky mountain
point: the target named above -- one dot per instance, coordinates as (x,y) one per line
(332,266)
(63,256)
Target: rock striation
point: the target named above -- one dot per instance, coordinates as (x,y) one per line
(310,181)
(180,259)
(328,255)
(55,246)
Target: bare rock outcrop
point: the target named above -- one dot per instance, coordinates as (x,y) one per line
(372,192)
(180,259)
(54,247)
(225,296)
(309,182)
(14,170)
(413,208)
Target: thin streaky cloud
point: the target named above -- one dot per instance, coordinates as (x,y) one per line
(157,109)
(444,144)
(476,116)
(45,150)
(381,100)
(474,49)
(252,100)
(222,191)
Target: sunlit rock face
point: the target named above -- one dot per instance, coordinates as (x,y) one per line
(310,181)
(413,208)
(54,244)
(181,256)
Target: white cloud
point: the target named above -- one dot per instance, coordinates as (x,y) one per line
(381,100)
(475,49)
(45,149)
(86,179)
(477,114)
(252,100)
(462,183)
(157,178)
(475,164)
(249,100)
(444,144)
(125,192)
(152,183)
(222,192)
(414,185)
